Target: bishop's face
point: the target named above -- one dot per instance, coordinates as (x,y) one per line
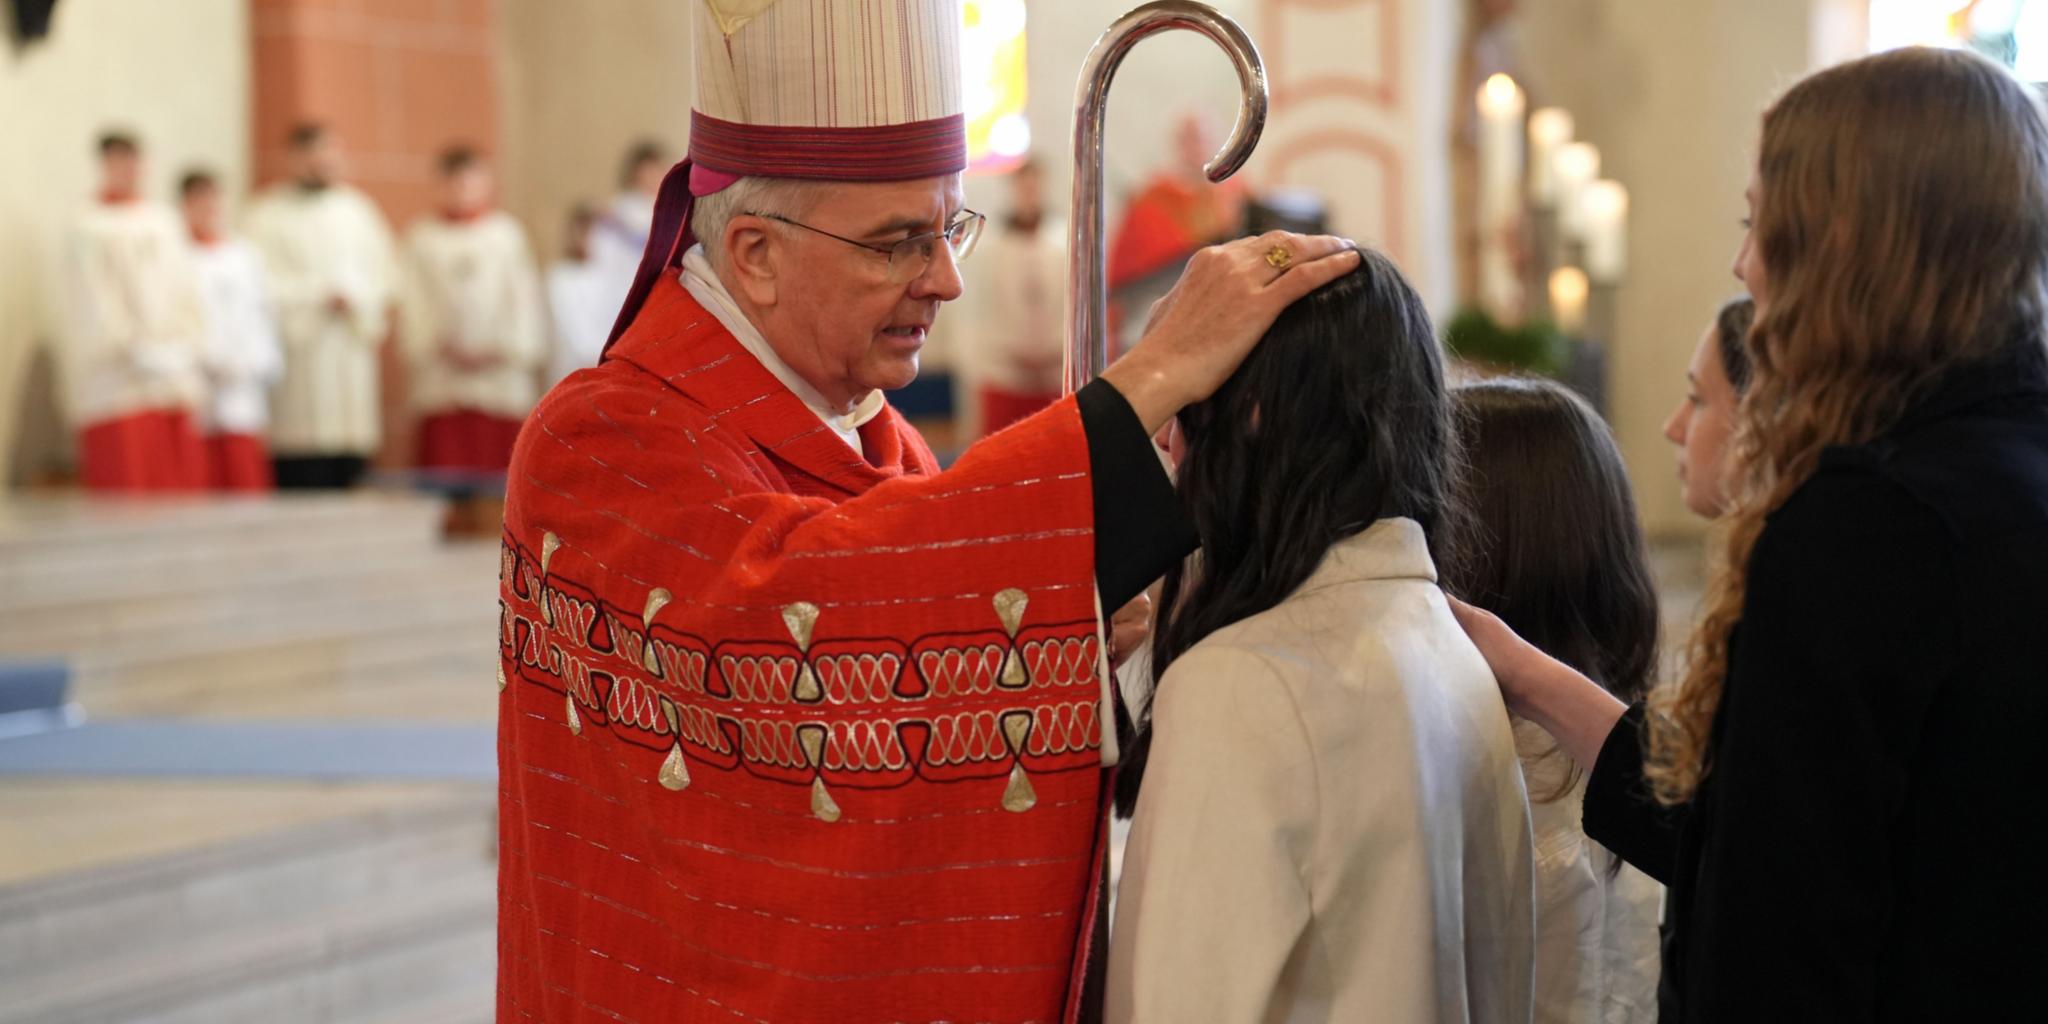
(840,317)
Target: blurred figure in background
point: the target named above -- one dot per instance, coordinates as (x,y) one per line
(580,300)
(328,254)
(136,334)
(471,322)
(1017,347)
(1177,212)
(621,230)
(242,357)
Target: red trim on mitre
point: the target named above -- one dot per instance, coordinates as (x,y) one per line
(889,152)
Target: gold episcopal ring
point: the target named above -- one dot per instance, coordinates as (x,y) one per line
(1279,258)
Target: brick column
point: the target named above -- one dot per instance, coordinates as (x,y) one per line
(396,79)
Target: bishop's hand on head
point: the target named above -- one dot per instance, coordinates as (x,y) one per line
(1224,302)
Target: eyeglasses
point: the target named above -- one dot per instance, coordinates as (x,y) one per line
(911,256)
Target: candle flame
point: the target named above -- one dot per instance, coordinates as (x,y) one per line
(1550,126)
(1568,291)
(1500,96)
(1606,199)
(1578,162)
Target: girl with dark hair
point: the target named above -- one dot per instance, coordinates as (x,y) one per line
(1552,546)
(1841,797)
(1704,421)
(1330,818)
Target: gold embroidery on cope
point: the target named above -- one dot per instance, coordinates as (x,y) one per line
(812,739)
(575,720)
(549,544)
(656,600)
(1010,608)
(675,775)
(1018,795)
(802,619)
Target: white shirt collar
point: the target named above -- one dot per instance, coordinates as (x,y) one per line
(704,286)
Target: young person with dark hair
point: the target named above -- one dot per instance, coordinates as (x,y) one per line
(135,336)
(328,254)
(1704,422)
(1330,818)
(1552,545)
(471,324)
(620,233)
(243,358)
(579,298)
(1836,789)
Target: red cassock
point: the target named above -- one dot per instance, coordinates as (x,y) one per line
(786,734)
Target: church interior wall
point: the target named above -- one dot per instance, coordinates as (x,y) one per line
(1672,94)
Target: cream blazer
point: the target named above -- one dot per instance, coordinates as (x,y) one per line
(1334,825)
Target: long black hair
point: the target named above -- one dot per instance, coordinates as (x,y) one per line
(1338,419)
(1551,542)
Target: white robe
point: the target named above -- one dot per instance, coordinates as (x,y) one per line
(1016,340)
(1333,825)
(581,311)
(317,245)
(136,323)
(1597,949)
(471,287)
(243,359)
(617,241)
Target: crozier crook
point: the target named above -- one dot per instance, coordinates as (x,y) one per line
(1087,273)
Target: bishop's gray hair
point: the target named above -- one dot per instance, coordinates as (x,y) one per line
(783,197)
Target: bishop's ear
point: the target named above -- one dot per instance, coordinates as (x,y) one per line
(753,259)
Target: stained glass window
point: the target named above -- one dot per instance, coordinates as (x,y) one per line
(992,58)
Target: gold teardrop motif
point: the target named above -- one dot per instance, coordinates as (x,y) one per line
(1018,796)
(822,805)
(674,775)
(502,682)
(657,598)
(575,720)
(1013,676)
(807,689)
(812,739)
(1016,729)
(1010,608)
(801,618)
(549,544)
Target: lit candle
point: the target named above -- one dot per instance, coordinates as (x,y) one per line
(1568,289)
(1549,129)
(1576,165)
(1604,209)
(1501,106)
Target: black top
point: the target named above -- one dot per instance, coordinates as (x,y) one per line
(1868,844)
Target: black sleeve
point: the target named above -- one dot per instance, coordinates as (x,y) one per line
(1848,628)
(1140,528)
(1619,812)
